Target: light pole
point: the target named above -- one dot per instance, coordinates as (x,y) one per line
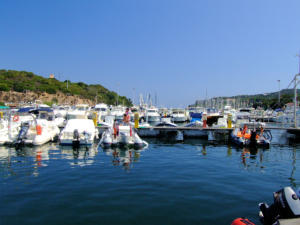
(278,91)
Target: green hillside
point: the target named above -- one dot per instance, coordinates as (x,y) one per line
(269,100)
(21,81)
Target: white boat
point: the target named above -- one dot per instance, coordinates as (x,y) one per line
(221,123)
(121,135)
(40,130)
(82,107)
(152,115)
(78,132)
(165,122)
(118,112)
(102,111)
(179,115)
(61,111)
(244,113)
(8,131)
(11,124)
(59,120)
(195,123)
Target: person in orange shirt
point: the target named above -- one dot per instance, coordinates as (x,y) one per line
(126,118)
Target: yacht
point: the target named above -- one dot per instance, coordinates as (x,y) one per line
(152,115)
(102,111)
(118,112)
(179,115)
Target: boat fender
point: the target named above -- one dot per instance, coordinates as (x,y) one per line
(242,221)
(16,118)
(38,129)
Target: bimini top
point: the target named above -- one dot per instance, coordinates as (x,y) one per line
(43,109)
(25,109)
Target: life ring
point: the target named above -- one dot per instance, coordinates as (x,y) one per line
(16,118)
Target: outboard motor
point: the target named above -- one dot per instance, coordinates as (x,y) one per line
(253,138)
(76,138)
(286,206)
(22,134)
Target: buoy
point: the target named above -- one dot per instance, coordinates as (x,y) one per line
(16,118)
(204,119)
(1,115)
(38,129)
(95,118)
(242,221)
(136,120)
(229,121)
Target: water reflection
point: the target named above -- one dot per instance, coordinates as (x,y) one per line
(252,157)
(79,156)
(292,177)
(29,161)
(24,161)
(123,157)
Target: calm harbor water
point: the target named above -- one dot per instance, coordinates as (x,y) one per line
(195,182)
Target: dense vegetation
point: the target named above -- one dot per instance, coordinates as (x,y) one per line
(22,81)
(266,101)
(270,100)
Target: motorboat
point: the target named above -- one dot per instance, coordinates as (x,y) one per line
(196,123)
(165,122)
(178,115)
(244,113)
(40,130)
(78,132)
(118,112)
(59,120)
(8,130)
(285,209)
(221,123)
(102,111)
(82,107)
(251,134)
(61,111)
(152,115)
(122,135)
(196,112)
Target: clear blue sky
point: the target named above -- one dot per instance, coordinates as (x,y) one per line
(176,49)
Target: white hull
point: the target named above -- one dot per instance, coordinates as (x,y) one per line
(179,119)
(153,118)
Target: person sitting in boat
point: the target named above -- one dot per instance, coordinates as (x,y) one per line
(126,117)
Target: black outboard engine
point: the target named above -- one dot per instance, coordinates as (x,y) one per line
(76,138)
(22,134)
(286,206)
(253,138)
